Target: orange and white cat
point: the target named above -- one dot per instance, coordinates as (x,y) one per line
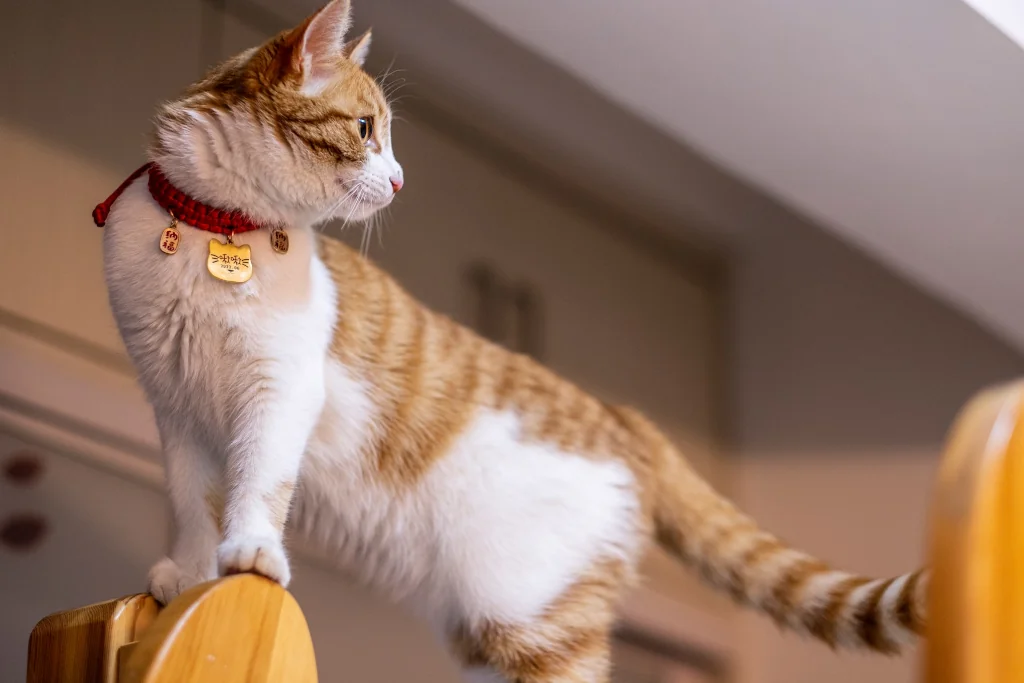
(502,502)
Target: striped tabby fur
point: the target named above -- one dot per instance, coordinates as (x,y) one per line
(501,501)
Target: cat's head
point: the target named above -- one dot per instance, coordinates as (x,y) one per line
(293,130)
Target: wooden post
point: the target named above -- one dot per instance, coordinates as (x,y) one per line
(976,595)
(81,646)
(240,629)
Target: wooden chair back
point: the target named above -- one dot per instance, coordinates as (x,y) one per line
(976,594)
(240,629)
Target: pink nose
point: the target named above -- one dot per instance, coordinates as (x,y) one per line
(396,183)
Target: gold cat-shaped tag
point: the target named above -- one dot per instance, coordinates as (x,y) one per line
(229,262)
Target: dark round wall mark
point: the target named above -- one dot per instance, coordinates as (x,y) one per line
(22,532)
(23,468)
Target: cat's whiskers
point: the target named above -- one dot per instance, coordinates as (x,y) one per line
(357,188)
(387,69)
(389,87)
(382,79)
(364,242)
(334,207)
(379,226)
(327,213)
(373,225)
(394,86)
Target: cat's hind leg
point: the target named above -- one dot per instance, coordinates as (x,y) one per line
(569,642)
(528,659)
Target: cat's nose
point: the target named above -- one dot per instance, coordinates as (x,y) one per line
(397,183)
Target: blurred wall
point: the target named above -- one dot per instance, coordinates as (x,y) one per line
(845,379)
(842,378)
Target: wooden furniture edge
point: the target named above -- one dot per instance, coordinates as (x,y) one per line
(976,553)
(239,629)
(81,645)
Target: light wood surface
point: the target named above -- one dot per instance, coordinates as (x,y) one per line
(240,629)
(976,596)
(81,646)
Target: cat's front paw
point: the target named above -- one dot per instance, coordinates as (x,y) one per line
(167,581)
(263,556)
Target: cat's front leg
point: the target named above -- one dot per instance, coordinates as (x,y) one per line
(262,468)
(195,497)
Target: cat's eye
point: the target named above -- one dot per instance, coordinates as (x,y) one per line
(365,127)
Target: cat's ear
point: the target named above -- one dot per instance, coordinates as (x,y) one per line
(321,42)
(358,48)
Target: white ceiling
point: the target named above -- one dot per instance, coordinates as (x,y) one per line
(897,123)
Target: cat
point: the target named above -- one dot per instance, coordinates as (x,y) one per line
(466,481)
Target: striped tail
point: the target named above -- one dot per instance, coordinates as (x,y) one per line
(798,591)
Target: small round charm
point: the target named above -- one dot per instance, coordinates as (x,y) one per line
(279,240)
(169,240)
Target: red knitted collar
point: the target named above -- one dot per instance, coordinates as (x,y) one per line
(179,205)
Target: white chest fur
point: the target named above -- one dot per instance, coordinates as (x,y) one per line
(201,345)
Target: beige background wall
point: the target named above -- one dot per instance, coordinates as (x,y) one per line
(841,378)
(844,382)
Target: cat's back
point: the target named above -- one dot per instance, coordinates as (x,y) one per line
(441,378)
